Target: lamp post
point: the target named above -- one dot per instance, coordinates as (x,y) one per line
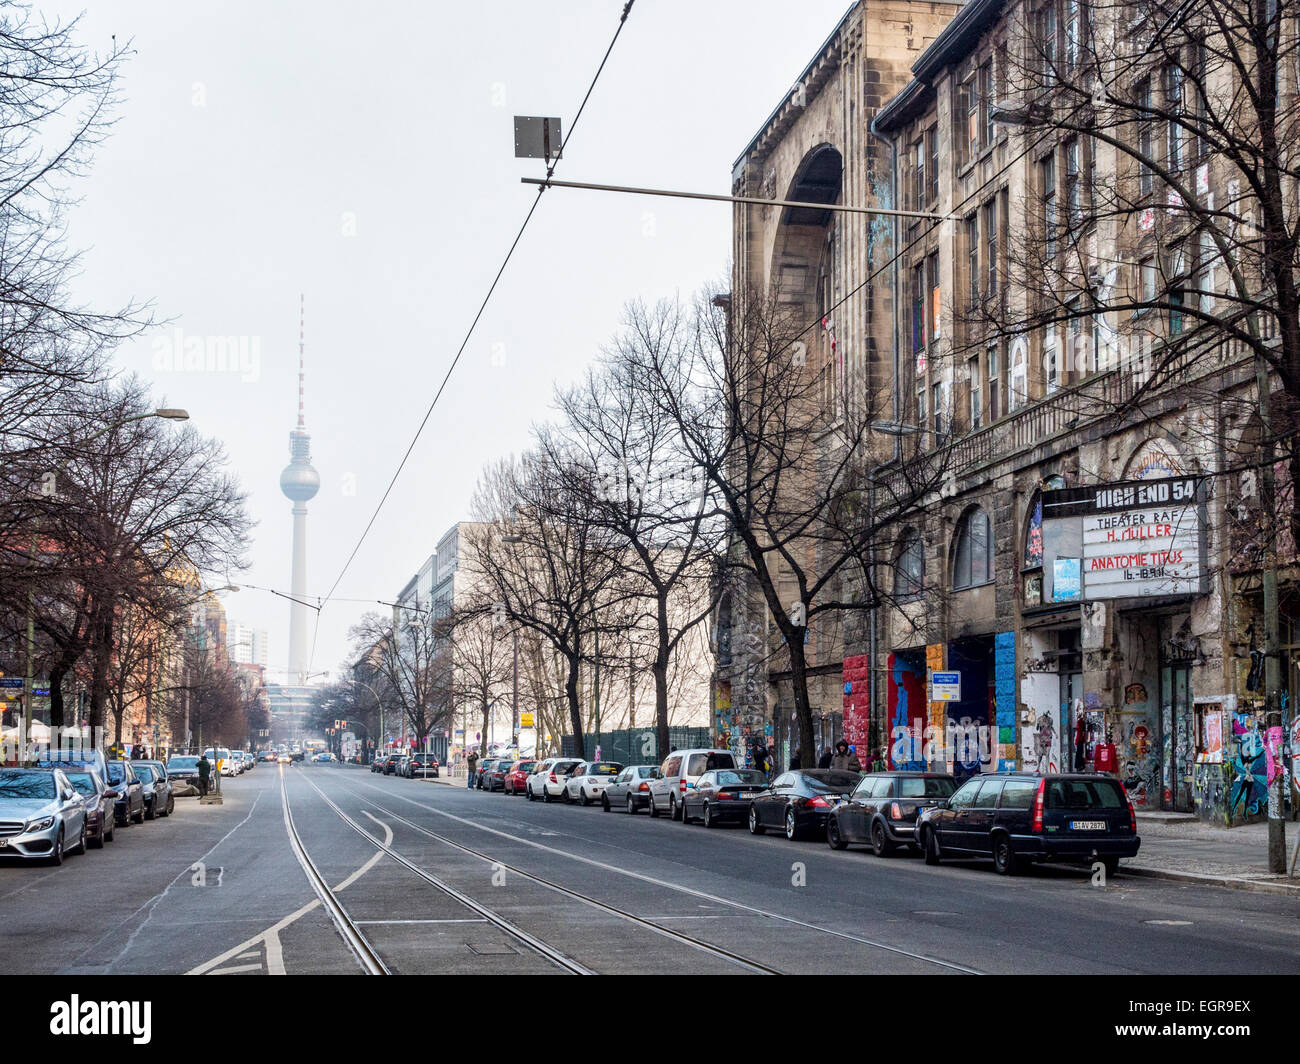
(166,413)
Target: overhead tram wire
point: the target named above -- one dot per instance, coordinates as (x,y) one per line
(550,170)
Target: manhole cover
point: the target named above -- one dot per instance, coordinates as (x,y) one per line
(1169,923)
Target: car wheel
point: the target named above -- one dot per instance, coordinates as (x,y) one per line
(171,804)
(833,837)
(149,813)
(56,855)
(546,795)
(1111,864)
(631,806)
(582,796)
(98,841)
(880,844)
(931,848)
(604,802)
(709,822)
(791,826)
(81,843)
(109,827)
(654,809)
(1005,861)
(686,819)
(673,811)
(139,819)
(755,828)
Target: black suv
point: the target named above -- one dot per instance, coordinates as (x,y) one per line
(1018,817)
(421,765)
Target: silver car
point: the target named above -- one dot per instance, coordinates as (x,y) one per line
(41,813)
(158,797)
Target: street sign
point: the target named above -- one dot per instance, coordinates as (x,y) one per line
(537,138)
(526,720)
(945,687)
(12,681)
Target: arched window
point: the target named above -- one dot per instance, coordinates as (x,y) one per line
(909,569)
(973,559)
(1019,394)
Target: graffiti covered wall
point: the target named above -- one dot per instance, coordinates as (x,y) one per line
(907,712)
(857,705)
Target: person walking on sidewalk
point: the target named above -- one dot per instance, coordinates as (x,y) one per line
(471,761)
(205,770)
(844,759)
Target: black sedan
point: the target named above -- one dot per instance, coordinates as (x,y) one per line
(799,802)
(883,810)
(722,796)
(129,790)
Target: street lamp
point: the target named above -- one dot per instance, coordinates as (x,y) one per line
(167,413)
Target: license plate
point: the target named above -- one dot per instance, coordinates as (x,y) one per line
(1087,825)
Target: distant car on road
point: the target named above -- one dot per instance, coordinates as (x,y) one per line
(1016,818)
(630,789)
(323,757)
(41,813)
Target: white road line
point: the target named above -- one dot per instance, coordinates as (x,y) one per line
(367,923)
(235,969)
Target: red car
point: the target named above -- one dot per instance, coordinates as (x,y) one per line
(517,777)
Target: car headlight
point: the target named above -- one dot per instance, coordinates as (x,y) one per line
(40,825)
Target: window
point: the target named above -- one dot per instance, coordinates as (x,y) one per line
(1174,105)
(1203,282)
(1034,534)
(909,570)
(932,172)
(1073,191)
(1076,362)
(972,98)
(1147,274)
(966,795)
(1073,33)
(1047,188)
(926,786)
(991,246)
(918,308)
(1019,394)
(962,112)
(976,393)
(920,184)
(1177,290)
(973,559)
(992,368)
(1051,360)
(1047,31)
(973,256)
(1146,138)
(932,269)
(1019,794)
(986,102)
(921,412)
(936,395)
(989,791)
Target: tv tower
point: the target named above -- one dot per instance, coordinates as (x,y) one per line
(300,482)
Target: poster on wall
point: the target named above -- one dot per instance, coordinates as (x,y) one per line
(1212,739)
(1066,580)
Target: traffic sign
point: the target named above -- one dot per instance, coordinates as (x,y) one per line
(12,681)
(945,687)
(526,720)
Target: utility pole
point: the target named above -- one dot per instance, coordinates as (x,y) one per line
(514,691)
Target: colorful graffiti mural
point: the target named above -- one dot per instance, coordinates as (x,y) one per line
(856,673)
(907,712)
(1250,768)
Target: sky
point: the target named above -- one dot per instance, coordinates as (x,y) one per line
(361,156)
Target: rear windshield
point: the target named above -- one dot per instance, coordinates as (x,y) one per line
(525,766)
(565,766)
(647,772)
(179,763)
(827,780)
(604,768)
(698,764)
(1084,794)
(27,784)
(929,787)
(744,775)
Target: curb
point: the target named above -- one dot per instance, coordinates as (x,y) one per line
(1230,883)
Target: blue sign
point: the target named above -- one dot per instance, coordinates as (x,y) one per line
(945,687)
(1066,580)
(12,682)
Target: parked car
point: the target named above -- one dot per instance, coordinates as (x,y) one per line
(377,763)
(492,774)
(883,809)
(323,757)
(630,789)
(722,796)
(183,771)
(229,765)
(266,755)
(799,802)
(678,774)
(588,781)
(99,800)
(518,775)
(390,763)
(1016,818)
(158,799)
(130,792)
(41,813)
(421,766)
(548,781)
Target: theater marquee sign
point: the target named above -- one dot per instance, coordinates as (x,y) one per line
(1132,539)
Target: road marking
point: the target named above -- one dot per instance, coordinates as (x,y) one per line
(473,920)
(898,950)
(270,938)
(250,953)
(237,968)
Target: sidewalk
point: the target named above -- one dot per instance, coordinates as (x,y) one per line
(1186,849)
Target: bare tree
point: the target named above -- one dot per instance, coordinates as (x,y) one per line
(481,650)
(414,666)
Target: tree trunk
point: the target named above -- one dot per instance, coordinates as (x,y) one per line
(575,706)
(660,669)
(802,711)
(102,648)
(483,735)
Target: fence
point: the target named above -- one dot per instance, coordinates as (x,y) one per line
(635,746)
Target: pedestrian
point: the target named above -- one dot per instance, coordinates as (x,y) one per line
(710,762)
(844,759)
(472,761)
(796,761)
(825,760)
(1080,742)
(205,770)
(760,757)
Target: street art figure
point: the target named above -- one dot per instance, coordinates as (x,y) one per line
(1044,743)
(1250,768)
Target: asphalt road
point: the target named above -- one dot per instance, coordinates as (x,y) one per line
(494,884)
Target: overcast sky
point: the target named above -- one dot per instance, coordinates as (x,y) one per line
(362,154)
